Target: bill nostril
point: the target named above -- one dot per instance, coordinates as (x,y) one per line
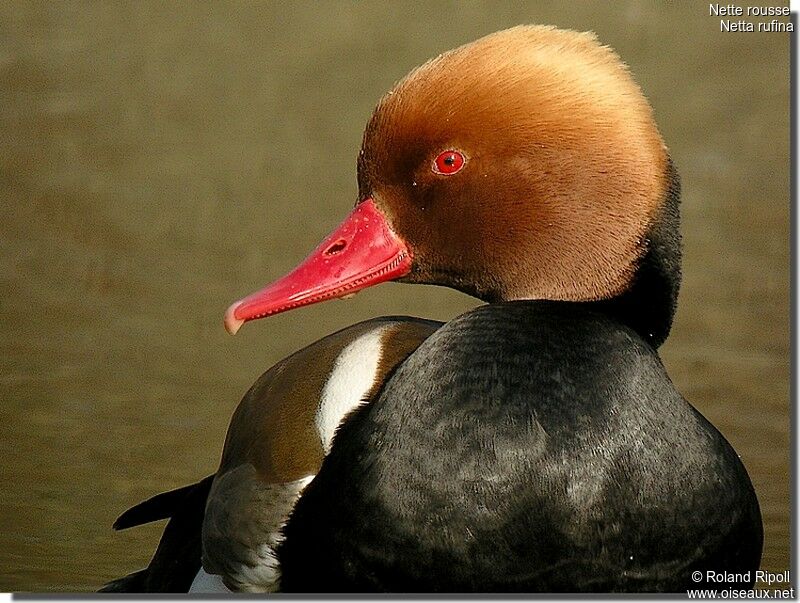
(336,247)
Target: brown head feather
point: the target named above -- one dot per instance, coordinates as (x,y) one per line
(565,167)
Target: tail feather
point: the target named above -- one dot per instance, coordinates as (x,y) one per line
(160,506)
(132,583)
(177,558)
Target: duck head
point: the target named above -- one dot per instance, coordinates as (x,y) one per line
(524,165)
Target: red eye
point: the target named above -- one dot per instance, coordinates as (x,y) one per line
(448,163)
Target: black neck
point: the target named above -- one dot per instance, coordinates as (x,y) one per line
(648,306)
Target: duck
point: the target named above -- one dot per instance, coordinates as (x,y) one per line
(532,444)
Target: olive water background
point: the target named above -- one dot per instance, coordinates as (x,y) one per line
(160,160)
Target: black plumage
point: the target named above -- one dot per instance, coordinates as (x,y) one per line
(525,446)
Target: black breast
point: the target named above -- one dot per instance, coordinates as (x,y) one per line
(525,446)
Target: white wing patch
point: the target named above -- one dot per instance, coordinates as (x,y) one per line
(352,376)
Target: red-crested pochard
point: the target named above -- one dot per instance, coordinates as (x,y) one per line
(535,443)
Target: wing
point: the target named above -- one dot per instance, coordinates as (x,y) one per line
(278,436)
